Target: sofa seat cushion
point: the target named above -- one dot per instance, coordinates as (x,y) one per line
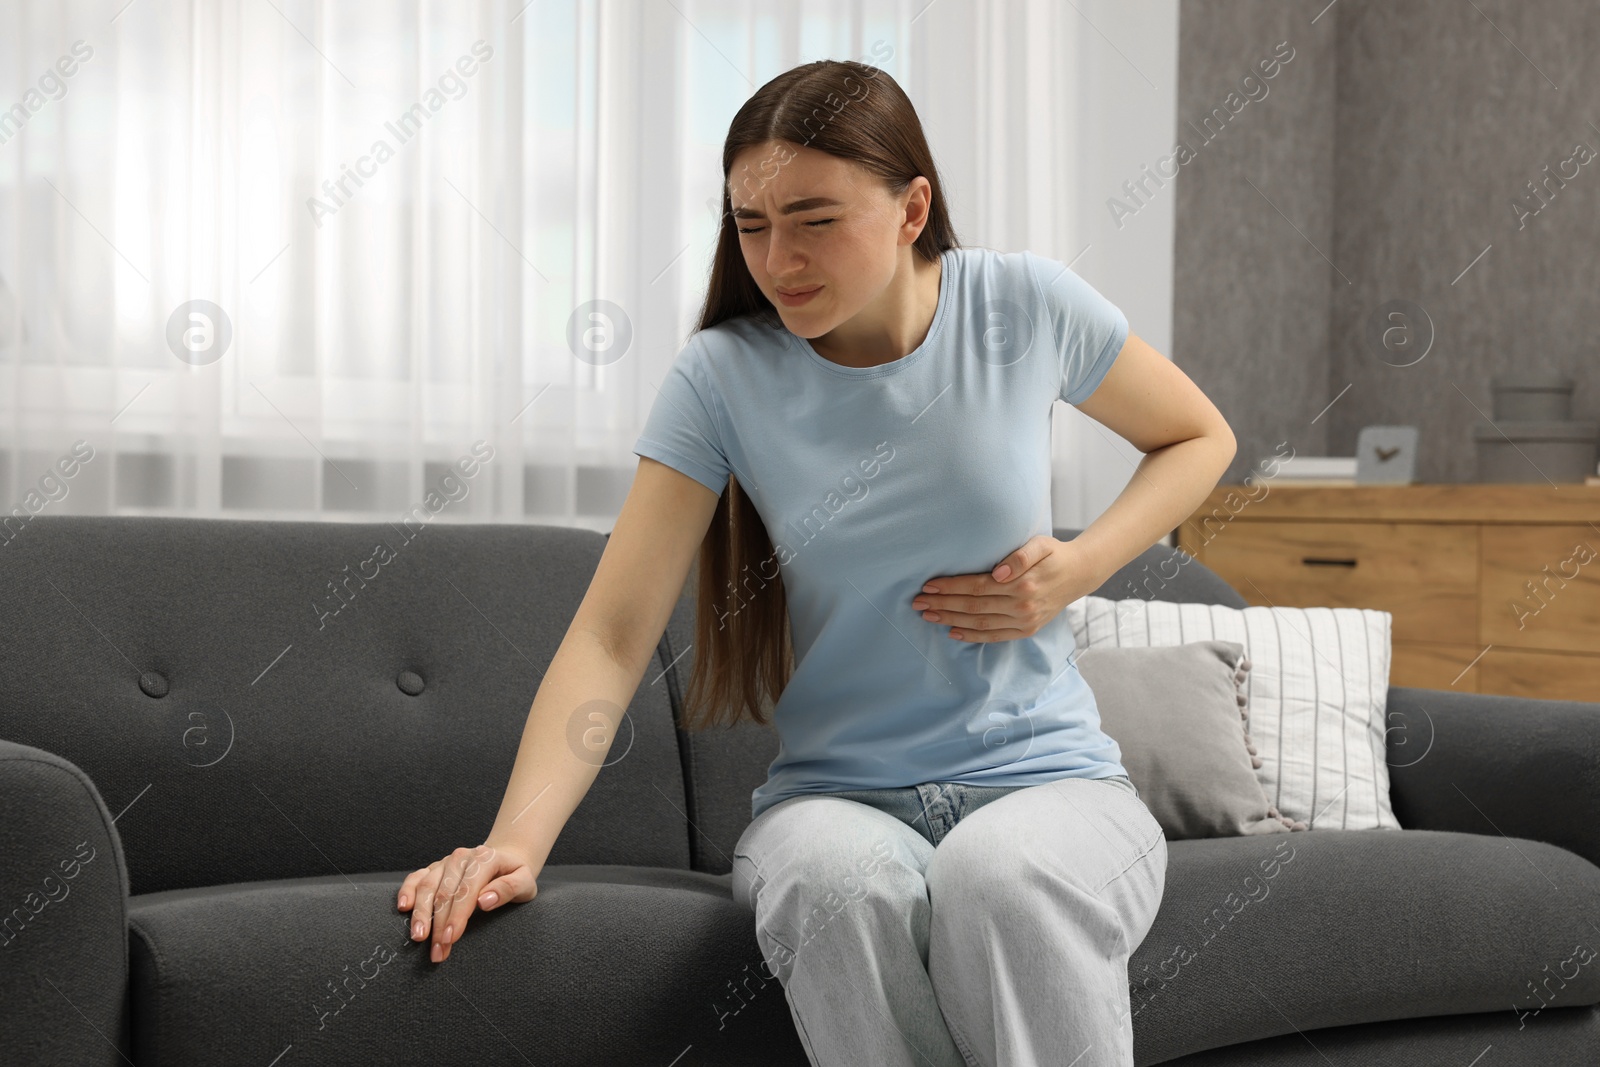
(1262,936)
(608,964)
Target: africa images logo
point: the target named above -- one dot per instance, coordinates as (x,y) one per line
(199,332)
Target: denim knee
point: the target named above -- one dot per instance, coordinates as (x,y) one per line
(987,864)
(810,870)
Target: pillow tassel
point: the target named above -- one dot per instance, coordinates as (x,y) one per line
(1244,713)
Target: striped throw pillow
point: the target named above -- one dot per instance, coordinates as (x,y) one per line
(1316,693)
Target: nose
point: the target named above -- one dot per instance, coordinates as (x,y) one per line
(781,259)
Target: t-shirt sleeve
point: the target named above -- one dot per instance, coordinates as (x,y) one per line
(682,430)
(1089,330)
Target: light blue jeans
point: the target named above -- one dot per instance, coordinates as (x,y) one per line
(950,925)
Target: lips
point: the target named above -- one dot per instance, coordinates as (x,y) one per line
(798,292)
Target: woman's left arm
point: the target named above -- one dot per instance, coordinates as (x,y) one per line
(1187,446)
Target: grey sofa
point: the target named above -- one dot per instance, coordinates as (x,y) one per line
(225,743)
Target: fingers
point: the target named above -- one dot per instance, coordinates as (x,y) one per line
(984,637)
(464,874)
(420,887)
(441,896)
(518,885)
(1011,613)
(985,600)
(996,621)
(980,621)
(408,888)
(946,605)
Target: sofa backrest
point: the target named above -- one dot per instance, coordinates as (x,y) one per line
(724,766)
(261,699)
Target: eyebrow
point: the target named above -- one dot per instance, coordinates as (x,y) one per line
(809,204)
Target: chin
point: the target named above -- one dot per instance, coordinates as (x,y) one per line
(801,325)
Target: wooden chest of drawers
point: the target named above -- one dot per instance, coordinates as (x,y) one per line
(1493,588)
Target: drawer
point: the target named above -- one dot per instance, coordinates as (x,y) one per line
(1541,588)
(1425,575)
(1551,675)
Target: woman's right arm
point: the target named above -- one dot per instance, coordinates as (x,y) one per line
(595,672)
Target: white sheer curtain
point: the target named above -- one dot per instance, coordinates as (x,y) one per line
(400,216)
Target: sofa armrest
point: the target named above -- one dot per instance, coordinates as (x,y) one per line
(1486,764)
(63,916)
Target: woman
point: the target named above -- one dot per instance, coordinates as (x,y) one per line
(947,863)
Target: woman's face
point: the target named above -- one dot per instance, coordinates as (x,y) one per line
(812,221)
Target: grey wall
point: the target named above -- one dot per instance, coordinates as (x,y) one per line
(1398,150)
(1250,299)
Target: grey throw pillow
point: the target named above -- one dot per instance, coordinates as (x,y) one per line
(1178,713)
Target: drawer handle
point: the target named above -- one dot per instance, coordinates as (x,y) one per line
(1320,561)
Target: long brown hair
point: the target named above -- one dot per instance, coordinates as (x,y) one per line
(743,654)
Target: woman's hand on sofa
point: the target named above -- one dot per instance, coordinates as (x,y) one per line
(441,896)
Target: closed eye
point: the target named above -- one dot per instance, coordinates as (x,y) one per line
(758,229)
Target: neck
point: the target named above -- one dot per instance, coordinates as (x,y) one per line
(892,326)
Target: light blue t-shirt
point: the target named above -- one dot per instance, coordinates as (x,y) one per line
(871,481)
